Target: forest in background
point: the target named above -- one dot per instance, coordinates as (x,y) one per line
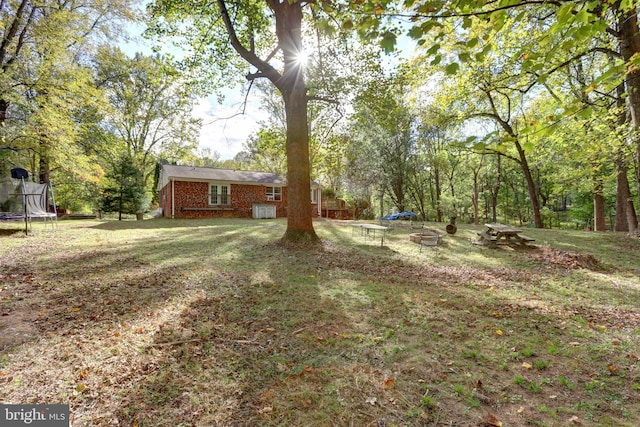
(509,111)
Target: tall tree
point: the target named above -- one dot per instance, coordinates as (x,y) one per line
(268,36)
(150,109)
(44,47)
(385,119)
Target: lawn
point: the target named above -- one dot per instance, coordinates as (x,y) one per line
(211,323)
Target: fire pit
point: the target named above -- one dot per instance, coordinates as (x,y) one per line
(425,235)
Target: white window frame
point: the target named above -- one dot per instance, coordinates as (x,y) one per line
(273,195)
(222,194)
(314,195)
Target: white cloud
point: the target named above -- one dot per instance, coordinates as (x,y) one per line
(225,126)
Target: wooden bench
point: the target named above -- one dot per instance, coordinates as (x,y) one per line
(488,239)
(526,239)
(486,236)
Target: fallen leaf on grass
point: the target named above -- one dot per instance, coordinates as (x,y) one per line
(75,309)
(389,383)
(491,420)
(371,400)
(499,332)
(520,410)
(527,365)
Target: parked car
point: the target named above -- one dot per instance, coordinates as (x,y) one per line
(406,215)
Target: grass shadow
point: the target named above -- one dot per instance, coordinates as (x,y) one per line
(215,324)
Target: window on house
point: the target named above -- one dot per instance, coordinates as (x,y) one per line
(219,194)
(314,195)
(274,193)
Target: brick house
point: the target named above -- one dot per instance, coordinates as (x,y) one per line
(192,192)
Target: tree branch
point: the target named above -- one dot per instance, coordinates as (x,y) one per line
(263,67)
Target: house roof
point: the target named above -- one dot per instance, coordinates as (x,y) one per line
(191,173)
(211,174)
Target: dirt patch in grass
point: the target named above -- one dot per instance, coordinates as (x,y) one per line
(15,328)
(566,259)
(211,323)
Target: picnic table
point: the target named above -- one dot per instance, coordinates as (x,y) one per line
(369,231)
(497,234)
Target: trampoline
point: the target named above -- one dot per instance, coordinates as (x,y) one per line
(21,199)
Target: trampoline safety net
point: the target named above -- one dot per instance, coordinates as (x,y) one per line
(21,199)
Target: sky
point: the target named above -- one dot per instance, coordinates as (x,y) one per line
(225,128)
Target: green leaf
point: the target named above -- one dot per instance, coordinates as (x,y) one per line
(415,33)
(582,16)
(585,113)
(528,145)
(388,41)
(433,49)
(452,68)
(564,13)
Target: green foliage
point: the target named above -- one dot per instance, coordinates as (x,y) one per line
(150,108)
(125,190)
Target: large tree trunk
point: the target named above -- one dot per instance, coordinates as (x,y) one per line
(299,219)
(293,89)
(288,16)
(629,38)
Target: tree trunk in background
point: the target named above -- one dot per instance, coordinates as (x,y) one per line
(475,198)
(626,218)
(438,194)
(495,190)
(44,168)
(4,106)
(599,219)
(531,185)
